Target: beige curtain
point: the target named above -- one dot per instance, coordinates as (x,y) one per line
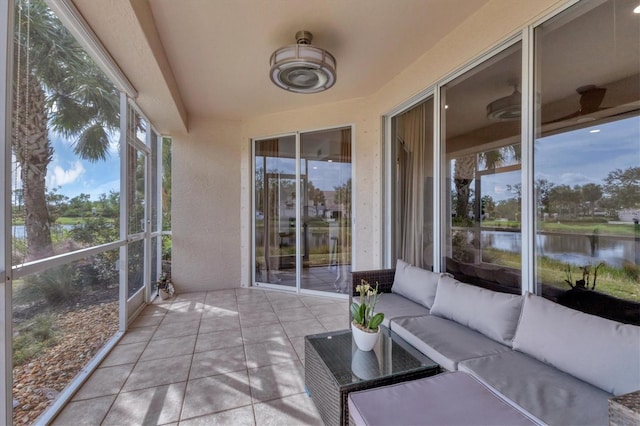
(345,226)
(411,129)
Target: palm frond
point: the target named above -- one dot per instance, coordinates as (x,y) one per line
(92,144)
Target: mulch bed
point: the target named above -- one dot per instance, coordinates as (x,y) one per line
(37,383)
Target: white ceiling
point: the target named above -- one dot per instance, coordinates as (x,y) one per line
(218,50)
(210,58)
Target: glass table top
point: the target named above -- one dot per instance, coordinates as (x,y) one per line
(390,357)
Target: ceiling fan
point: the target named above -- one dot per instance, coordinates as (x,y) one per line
(591,97)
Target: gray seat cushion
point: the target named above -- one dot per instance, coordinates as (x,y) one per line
(550,395)
(491,313)
(444,341)
(416,284)
(396,306)
(446,399)
(599,351)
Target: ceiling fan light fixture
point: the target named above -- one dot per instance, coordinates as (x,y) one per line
(303,68)
(506,108)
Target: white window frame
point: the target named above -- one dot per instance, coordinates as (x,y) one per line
(6,374)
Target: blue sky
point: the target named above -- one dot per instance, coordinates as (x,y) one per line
(75,176)
(577,157)
(580,156)
(574,158)
(324,175)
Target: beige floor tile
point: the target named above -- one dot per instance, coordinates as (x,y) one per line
(195,295)
(209,325)
(255,319)
(276,381)
(292,410)
(147,320)
(213,394)
(303,328)
(273,332)
(298,346)
(247,295)
(242,416)
(329,309)
(176,329)
(104,381)
(220,294)
(124,354)
(296,314)
(158,372)
(169,347)
(218,361)
(316,301)
(287,303)
(269,353)
(219,298)
(280,295)
(178,316)
(250,307)
(136,335)
(184,306)
(230,311)
(152,406)
(156,309)
(335,322)
(233,346)
(218,340)
(88,412)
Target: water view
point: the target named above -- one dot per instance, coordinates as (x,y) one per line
(576,249)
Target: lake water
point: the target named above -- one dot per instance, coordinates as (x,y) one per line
(19,231)
(575,249)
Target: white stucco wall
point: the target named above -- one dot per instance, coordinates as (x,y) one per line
(365,164)
(205,202)
(212,165)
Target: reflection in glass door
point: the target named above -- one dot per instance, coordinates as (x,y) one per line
(325,167)
(275,211)
(302,211)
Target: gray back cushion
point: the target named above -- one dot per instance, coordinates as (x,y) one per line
(416,284)
(599,351)
(489,312)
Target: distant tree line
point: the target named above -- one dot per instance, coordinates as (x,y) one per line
(619,190)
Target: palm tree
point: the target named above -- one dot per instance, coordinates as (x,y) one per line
(465,170)
(56,87)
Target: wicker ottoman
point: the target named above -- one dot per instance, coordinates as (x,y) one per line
(334,367)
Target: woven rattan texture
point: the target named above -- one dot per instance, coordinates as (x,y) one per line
(384,278)
(624,410)
(329,378)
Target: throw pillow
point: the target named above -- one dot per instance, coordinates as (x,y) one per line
(416,284)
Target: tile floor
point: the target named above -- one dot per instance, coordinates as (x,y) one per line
(227,357)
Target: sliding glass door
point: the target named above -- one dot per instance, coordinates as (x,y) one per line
(275,211)
(302,211)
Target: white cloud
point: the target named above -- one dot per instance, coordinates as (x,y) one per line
(59,176)
(572,179)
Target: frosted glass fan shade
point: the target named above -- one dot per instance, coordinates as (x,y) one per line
(303,68)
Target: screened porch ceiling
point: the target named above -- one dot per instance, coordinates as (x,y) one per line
(210,59)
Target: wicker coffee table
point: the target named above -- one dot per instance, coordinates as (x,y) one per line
(334,367)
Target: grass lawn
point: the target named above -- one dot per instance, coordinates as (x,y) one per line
(586,228)
(619,282)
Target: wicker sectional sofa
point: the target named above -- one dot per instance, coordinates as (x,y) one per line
(557,365)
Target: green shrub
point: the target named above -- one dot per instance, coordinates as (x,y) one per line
(632,271)
(56,286)
(33,337)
